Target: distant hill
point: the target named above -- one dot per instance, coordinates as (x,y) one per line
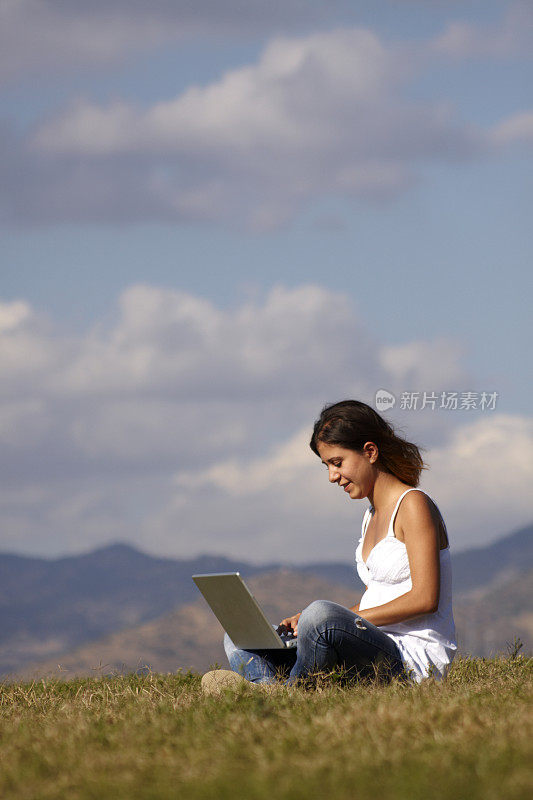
(50,607)
(190,637)
(490,618)
(480,566)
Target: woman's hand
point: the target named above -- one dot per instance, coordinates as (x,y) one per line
(291,624)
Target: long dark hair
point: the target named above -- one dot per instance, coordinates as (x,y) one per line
(351,423)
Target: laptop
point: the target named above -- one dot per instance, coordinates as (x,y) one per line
(240,614)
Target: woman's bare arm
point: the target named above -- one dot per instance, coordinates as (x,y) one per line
(417,527)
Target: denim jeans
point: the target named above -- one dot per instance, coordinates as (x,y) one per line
(330,636)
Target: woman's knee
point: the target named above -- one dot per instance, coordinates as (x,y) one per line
(316,613)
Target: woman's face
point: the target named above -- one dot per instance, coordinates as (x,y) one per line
(355,472)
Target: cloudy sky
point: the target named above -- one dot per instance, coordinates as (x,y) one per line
(219,216)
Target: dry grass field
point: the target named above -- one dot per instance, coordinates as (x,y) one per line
(156,736)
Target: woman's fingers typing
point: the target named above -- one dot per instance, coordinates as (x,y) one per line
(291,623)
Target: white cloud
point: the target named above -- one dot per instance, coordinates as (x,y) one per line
(517,128)
(279,102)
(47,36)
(174,380)
(180,345)
(29,352)
(23,423)
(324,114)
(40,35)
(329,114)
(149,430)
(511,36)
(281,506)
(184,427)
(430,366)
(482,478)
(284,466)
(12,315)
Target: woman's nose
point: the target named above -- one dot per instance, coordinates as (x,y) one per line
(333,476)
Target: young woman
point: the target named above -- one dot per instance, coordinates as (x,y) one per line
(404,620)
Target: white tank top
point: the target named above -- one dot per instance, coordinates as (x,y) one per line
(427,643)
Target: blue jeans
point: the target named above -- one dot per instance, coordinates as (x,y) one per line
(330,636)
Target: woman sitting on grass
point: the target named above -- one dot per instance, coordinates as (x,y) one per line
(404,622)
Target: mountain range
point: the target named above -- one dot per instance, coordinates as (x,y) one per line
(116,603)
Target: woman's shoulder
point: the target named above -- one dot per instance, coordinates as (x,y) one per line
(416,508)
(416,501)
(416,497)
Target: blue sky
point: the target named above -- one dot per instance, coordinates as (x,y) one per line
(349,178)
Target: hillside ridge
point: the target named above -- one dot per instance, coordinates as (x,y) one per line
(52,606)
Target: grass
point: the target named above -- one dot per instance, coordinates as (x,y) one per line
(157,736)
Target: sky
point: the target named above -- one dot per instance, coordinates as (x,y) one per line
(215,219)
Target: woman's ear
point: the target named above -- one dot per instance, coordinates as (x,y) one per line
(371,451)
